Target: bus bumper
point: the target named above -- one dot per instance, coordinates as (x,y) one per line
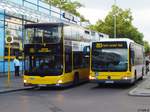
(129,81)
(47,85)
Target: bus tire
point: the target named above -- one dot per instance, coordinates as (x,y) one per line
(76,78)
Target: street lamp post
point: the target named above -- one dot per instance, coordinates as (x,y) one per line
(115,20)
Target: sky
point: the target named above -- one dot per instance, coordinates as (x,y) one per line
(98,9)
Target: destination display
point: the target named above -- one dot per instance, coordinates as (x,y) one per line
(99,45)
(39,49)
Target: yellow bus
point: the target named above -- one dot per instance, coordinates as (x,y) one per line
(56,54)
(116,61)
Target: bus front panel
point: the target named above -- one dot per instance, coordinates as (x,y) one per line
(110,62)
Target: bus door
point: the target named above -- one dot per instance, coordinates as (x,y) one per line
(68,59)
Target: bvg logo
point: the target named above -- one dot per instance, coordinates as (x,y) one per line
(99,45)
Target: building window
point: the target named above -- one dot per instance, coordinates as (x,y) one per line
(13,27)
(32,1)
(17,1)
(30,5)
(44,5)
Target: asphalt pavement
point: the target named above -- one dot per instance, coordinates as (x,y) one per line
(87,97)
(142,89)
(14,84)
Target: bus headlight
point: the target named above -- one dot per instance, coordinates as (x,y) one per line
(25,81)
(92,77)
(126,78)
(60,81)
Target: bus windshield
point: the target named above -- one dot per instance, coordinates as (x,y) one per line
(110,59)
(44,34)
(43,65)
(43,59)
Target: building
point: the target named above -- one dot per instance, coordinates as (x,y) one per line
(15,13)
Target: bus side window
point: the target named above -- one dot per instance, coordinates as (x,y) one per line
(68,59)
(132,57)
(77,60)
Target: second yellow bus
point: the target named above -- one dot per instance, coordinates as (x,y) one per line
(116,61)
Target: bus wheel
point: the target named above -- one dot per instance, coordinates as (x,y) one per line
(76,78)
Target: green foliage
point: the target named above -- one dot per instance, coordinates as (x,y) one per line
(147,47)
(83,19)
(124,26)
(69,6)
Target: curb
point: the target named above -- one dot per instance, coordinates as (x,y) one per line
(14,90)
(139,92)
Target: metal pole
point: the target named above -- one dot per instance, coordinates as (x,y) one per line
(8,81)
(115,21)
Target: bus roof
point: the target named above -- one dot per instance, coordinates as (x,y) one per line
(34,25)
(117,39)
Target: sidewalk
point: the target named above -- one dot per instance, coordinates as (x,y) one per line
(142,89)
(16,84)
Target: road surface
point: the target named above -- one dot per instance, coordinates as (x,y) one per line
(83,98)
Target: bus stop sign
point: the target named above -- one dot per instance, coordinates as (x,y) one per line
(9,39)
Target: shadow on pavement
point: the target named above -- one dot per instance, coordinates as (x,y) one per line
(117,86)
(58,88)
(112,86)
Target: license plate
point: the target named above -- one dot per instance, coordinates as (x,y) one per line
(42,85)
(110,82)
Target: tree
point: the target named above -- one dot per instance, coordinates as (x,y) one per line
(69,6)
(147,47)
(124,26)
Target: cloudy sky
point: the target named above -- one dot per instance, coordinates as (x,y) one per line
(98,9)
